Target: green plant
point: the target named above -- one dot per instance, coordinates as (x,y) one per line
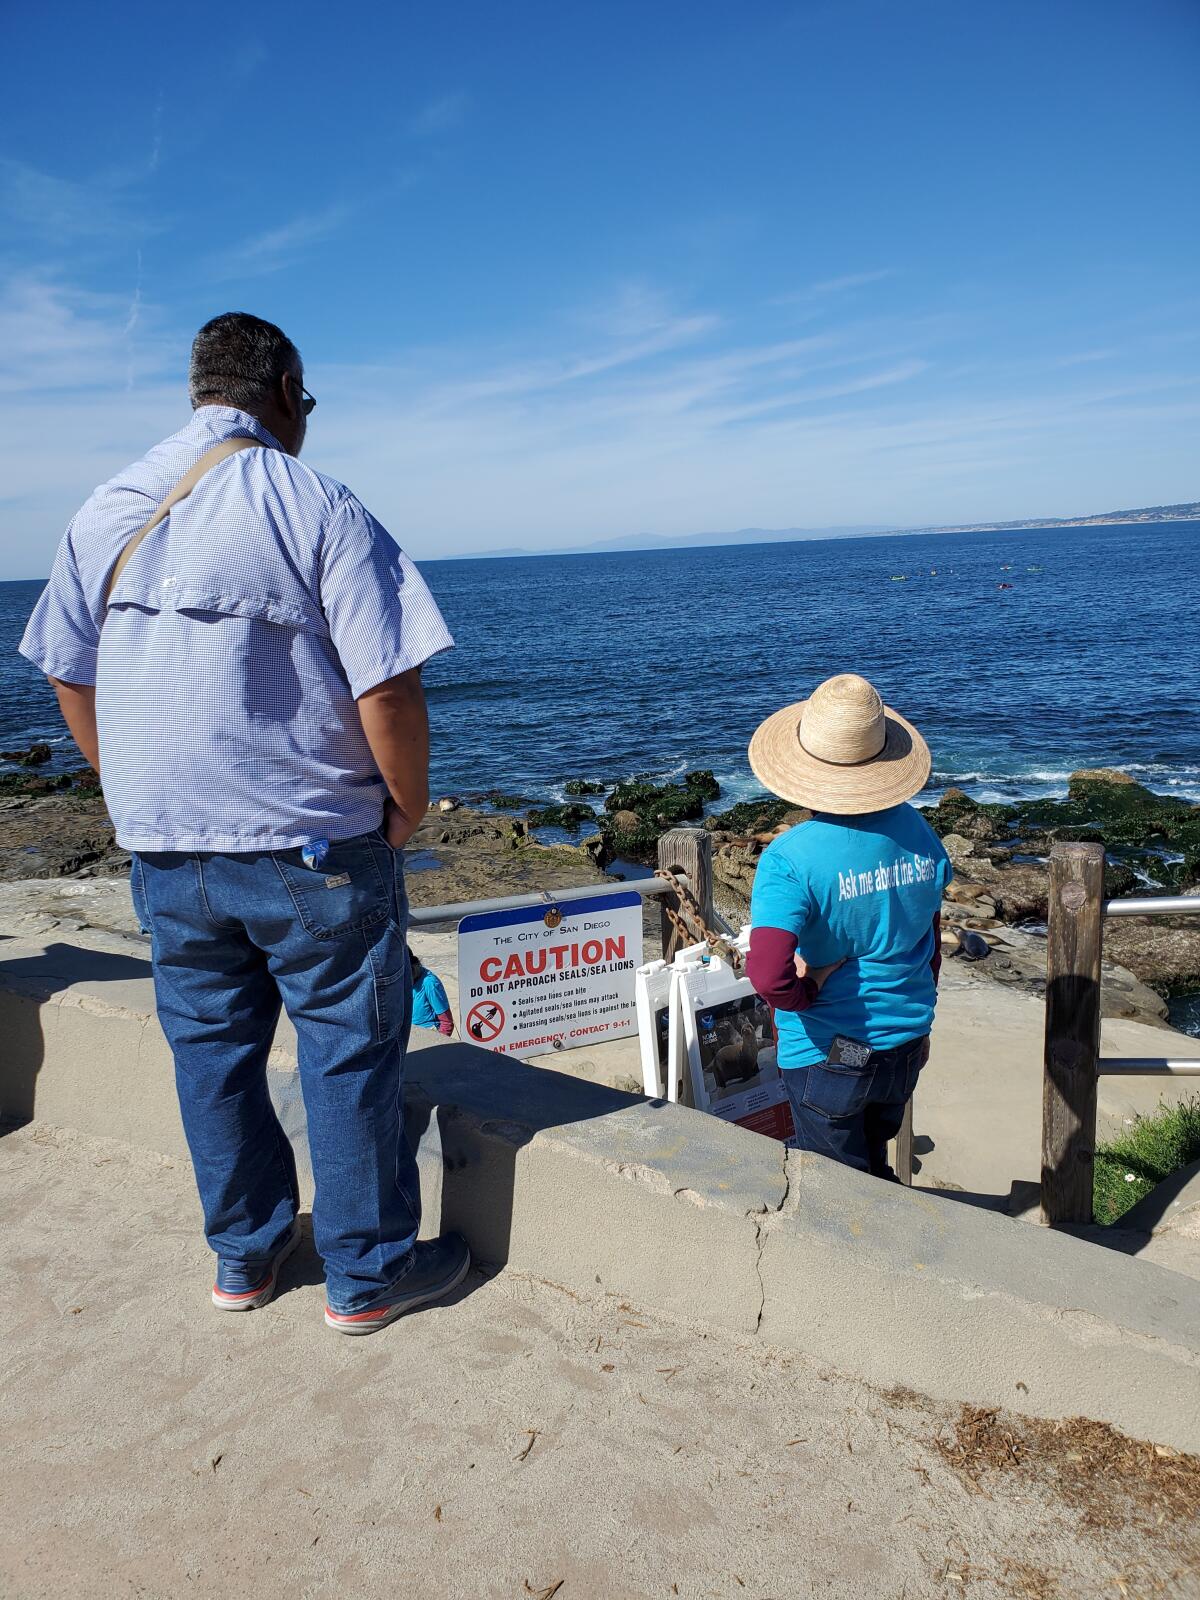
(1128,1167)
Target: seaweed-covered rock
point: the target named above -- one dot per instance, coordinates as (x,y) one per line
(1102,806)
(684,799)
(506,802)
(569,815)
(957,813)
(658,807)
(757,816)
(582,786)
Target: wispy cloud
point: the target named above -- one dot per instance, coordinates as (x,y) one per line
(46,209)
(276,248)
(55,339)
(443,115)
(1085,358)
(833,286)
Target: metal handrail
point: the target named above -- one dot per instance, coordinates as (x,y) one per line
(1163,905)
(1155,1066)
(648,888)
(1174,905)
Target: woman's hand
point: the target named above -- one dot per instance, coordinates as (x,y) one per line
(819,975)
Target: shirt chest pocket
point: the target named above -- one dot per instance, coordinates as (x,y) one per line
(352,889)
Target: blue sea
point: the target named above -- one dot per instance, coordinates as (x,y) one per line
(1020,655)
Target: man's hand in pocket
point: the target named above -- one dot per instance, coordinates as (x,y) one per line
(398,829)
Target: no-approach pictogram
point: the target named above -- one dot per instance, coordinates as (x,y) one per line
(485,1021)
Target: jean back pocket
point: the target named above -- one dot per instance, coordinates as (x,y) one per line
(837,1091)
(349,890)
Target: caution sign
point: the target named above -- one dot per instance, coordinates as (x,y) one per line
(551,977)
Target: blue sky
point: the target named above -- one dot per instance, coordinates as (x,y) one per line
(561,272)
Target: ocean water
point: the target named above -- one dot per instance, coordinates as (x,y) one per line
(601,666)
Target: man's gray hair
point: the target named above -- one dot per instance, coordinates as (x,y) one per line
(240,360)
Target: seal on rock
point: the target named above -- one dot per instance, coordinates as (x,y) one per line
(971,946)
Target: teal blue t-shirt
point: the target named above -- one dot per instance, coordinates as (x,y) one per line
(429,999)
(864,888)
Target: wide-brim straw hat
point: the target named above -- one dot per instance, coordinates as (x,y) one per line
(841,750)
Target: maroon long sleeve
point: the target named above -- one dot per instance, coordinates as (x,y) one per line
(771,968)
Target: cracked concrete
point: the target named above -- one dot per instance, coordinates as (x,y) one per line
(789,1160)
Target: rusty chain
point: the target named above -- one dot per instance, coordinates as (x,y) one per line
(690,913)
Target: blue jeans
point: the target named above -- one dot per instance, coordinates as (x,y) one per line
(233,938)
(850,1115)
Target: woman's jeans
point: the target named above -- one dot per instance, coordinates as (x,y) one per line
(850,1114)
(233,937)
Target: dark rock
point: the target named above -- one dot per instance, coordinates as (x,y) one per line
(581,786)
(56,835)
(597,848)
(37,755)
(506,802)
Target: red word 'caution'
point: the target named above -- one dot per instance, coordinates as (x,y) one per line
(552,958)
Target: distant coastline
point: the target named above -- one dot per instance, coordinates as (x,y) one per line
(1189,511)
(1186,511)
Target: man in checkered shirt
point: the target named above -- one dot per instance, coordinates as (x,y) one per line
(247,682)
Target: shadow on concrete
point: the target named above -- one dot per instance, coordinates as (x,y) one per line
(471,1111)
(28,981)
(967,1197)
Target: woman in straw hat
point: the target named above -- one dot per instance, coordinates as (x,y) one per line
(844,939)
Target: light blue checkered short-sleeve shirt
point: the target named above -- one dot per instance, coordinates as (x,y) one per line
(235,644)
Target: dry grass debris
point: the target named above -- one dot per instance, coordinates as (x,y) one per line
(1112,1480)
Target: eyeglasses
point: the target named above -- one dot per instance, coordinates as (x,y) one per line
(308,401)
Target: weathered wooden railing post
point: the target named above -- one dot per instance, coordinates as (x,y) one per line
(904,1147)
(1074,938)
(687,851)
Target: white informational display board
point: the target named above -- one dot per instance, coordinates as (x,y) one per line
(551,977)
(729,1047)
(653,990)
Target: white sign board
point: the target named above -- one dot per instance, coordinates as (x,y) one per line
(550,977)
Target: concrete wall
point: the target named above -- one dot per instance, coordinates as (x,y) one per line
(604,1192)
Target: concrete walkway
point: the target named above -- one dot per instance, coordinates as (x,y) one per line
(522,1441)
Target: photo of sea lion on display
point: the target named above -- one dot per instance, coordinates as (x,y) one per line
(737,1044)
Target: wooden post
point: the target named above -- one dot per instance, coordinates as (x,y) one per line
(904,1147)
(1073,946)
(687,851)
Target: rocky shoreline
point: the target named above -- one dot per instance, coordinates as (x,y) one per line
(480,845)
